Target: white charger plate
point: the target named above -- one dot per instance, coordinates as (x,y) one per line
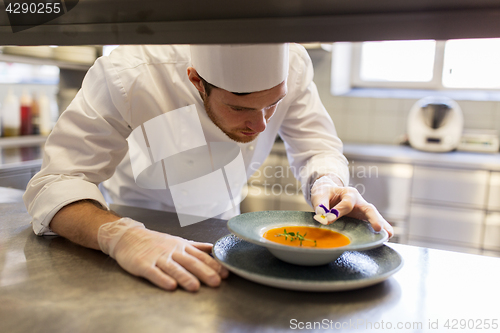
(352,270)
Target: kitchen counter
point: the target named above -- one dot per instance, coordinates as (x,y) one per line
(12,158)
(20,159)
(48,284)
(409,155)
(21,152)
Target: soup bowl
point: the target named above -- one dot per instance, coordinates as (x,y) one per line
(252,226)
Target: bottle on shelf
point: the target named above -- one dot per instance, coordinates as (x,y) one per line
(26,126)
(35,115)
(11,115)
(45,114)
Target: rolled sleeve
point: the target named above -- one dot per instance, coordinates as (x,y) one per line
(62,191)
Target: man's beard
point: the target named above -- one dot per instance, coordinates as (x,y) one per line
(217,123)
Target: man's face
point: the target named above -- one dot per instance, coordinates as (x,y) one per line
(243,117)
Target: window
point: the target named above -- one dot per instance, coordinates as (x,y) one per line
(427,64)
(397,61)
(473,63)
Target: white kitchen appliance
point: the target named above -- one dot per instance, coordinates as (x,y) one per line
(435,124)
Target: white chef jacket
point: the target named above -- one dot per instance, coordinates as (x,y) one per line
(134,84)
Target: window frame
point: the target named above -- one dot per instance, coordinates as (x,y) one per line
(434,84)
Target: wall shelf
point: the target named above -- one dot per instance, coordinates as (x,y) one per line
(43,61)
(22,141)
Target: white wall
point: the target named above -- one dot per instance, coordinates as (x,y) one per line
(383,120)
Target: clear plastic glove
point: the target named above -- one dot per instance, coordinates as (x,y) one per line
(163,259)
(332,201)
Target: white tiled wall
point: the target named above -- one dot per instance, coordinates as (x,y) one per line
(383,120)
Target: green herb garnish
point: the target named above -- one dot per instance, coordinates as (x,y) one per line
(293,236)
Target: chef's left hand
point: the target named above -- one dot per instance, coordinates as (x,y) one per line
(347,201)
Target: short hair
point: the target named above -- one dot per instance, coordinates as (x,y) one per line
(208,87)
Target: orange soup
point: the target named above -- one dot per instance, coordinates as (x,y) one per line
(306,237)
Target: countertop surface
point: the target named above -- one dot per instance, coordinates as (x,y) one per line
(21,152)
(48,284)
(408,155)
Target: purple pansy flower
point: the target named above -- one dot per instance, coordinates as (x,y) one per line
(325,215)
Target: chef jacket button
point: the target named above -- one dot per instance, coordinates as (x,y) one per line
(190,162)
(184,192)
(251,148)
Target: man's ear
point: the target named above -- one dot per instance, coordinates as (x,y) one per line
(195,79)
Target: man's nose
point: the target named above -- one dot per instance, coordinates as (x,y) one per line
(258,122)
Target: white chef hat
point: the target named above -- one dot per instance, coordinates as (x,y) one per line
(241,68)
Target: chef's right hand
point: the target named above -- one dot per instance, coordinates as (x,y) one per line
(165,260)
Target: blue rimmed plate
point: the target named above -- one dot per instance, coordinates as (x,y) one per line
(352,270)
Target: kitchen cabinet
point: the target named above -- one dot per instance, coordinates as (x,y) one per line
(492,232)
(450,186)
(494,192)
(450,225)
(453,206)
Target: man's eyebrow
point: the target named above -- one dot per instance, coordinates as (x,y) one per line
(279,100)
(245,108)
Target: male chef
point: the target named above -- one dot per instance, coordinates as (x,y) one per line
(240,94)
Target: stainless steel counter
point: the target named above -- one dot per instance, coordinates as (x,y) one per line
(20,159)
(405,154)
(48,284)
(12,158)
